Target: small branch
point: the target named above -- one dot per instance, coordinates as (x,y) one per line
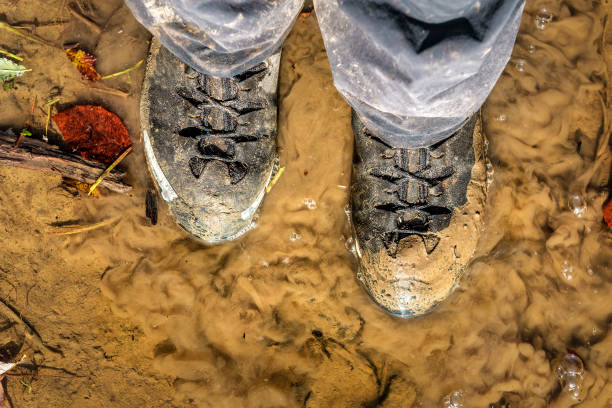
(125,71)
(35,25)
(85,20)
(31,37)
(76,229)
(110,91)
(48,106)
(36,155)
(18,58)
(109,169)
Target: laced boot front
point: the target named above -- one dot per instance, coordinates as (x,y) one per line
(210,142)
(416,216)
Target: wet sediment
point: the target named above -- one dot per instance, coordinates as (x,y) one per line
(277,317)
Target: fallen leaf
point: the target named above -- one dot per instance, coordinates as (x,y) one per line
(4,368)
(94,132)
(79,186)
(607,212)
(10,69)
(84,62)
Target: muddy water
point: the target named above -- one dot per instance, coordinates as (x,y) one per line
(277,318)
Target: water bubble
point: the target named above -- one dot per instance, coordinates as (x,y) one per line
(531,48)
(347,210)
(520,65)
(571,375)
(543,18)
(265,264)
(349,244)
(577,205)
(454,400)
(294,237)
(590,271)
(567,270)
(501,117)
(310,203)
(490,169)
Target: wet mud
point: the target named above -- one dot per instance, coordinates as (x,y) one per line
(144,315)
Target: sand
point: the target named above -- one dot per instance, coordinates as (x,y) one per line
(139,315)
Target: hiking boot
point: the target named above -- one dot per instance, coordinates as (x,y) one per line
(416,216)
(210,142)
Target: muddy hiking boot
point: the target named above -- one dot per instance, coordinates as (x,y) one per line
(210,142)
(416,216)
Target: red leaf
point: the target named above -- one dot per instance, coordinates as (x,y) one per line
(94,132)
(84,62)
(607,212)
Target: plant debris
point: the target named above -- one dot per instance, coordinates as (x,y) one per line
(108,170)
(275,179)
(94,132)
(31,37)
(77,186)
(10,70)
(125,71)
(24,132)
(35,154)
(151,206)
(48,106)
(10,54)
(84,62)
(607,212)
(5,368)
(76,229)
(86,20)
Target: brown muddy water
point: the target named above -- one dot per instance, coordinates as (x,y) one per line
(140,315)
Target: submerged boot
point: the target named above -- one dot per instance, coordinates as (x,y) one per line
(210,142)
(416,216)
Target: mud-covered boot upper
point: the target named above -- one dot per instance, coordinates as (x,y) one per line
(210,142)
(416,216)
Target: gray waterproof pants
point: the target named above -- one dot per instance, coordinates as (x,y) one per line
(414,70)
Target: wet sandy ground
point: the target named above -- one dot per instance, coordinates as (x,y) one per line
(141,315)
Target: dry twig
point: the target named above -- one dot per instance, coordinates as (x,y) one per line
(76,229)
(110,91)
(36,155)
(31,37)
(109,169)
(86,20)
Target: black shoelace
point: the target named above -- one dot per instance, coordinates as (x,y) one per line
(218,108)
(410,198)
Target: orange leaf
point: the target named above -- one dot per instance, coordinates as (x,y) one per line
(94,132)
(607,211)
(84,62)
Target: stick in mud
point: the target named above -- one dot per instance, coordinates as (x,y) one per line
(86,20)
(37,155)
